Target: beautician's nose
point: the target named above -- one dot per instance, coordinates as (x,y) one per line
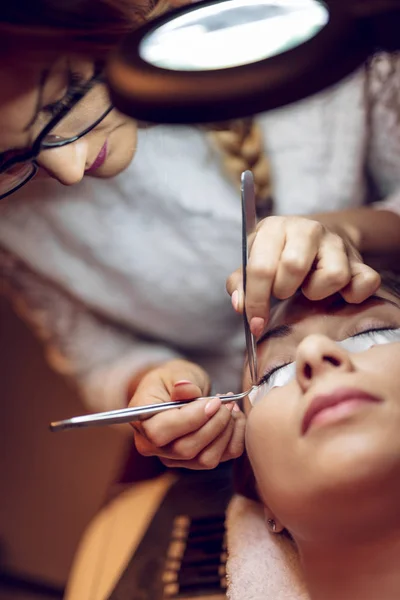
(317,356)
(66,164)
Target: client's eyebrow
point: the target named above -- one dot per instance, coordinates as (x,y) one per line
(341,303)
(282,331)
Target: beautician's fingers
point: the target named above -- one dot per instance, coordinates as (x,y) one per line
(234,287)
(235,447)
(234,283)
(171,381)
(227,446)
(154,433)
(165,427)
(340,268)
(181,435)
(187,446)
(282,253)
(209,458)
(331,272)
(288,253)
(364,282)
(174,380)
(302,244)
(262,265)
(190,449)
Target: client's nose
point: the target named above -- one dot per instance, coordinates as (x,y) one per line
(317,355)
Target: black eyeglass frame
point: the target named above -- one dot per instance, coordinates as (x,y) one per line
(29,155)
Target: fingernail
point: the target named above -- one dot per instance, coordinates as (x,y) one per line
(182,382)
(236,407)
(240,301)
(212,406)
(235,300)
(257,325)
(230,406)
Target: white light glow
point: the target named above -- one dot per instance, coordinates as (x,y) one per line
(187,43)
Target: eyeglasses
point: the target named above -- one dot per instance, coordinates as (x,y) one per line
(83,111)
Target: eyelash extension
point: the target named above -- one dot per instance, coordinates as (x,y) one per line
(368,333)
(75,84)
(372,330)
(265,378)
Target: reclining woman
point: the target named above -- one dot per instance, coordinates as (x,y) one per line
(322,438)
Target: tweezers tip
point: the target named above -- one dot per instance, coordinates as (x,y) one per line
(56,426)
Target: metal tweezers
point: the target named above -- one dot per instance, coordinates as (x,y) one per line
(128,415)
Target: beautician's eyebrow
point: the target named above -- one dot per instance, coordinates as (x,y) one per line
(282,331)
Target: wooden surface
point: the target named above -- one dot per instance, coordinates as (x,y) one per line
(112,538)
(52,485)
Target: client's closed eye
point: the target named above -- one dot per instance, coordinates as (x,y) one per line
(276,377)
(360,341)
(364,340)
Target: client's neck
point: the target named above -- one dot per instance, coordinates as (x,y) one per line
(358,571)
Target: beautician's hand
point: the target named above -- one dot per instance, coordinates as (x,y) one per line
(288,253)
(197,436)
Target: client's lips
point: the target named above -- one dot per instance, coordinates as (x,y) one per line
(349,398)
(99,161)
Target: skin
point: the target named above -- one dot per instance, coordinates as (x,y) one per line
(215,432)
(222,428)
(19,92)
(198,439)
(197,436)
(288,253)
(335,488)
(19,95)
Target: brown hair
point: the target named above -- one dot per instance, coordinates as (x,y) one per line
(90,27)
(244,481)
(93,28)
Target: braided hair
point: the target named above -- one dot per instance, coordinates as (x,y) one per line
(239,143)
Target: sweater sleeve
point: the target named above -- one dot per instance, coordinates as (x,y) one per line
(98,356)
(391,202)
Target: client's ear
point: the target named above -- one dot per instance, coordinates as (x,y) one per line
(244,483)
(274,526)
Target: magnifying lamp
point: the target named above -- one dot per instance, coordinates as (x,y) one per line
(223,59)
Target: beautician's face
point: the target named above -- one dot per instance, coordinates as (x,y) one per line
(29,95)
(338,470)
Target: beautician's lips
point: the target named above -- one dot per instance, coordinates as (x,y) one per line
(99,161)
(319,404)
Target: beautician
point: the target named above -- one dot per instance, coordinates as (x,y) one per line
(67,118)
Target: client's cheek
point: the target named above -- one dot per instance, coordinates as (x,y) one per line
(272,430)
(382,364)
(266,453)
(247,406)
(264,431)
